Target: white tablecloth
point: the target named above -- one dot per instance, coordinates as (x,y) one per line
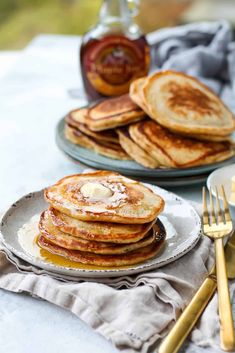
(33,97)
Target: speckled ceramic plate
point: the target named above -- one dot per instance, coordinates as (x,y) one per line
(129,168)
(179,212)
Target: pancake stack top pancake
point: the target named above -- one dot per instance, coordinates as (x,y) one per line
(169,119)
(102,219)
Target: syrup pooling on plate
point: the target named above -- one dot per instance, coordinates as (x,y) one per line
(110,259)
(63,262)
(28,235)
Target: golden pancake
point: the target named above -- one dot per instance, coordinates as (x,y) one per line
(108,135)
(177,151)
(183,104)
(113,112)
(134,150)
(136,93)
(212,138)
(107,149)
(78,115)
(67,241)
(89,258)
(99,231)
(106,197)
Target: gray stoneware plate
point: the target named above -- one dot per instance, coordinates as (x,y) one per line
(163,182)
(178,211)
(129,168)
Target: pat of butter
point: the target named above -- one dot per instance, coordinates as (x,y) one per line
(232,196)
(95,191)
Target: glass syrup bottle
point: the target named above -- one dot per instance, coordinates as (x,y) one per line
(114,52)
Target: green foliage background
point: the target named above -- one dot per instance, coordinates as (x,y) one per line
(21,20)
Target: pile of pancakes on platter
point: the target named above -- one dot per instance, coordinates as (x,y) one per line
(168,120)
(102,219)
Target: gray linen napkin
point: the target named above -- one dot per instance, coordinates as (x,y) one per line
(204,50)
(133,312)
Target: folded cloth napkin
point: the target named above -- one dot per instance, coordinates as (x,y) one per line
(133,312)
(204,50)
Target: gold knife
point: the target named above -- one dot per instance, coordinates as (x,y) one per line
(193,311)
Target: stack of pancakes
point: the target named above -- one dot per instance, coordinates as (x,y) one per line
(102,219)
(94,128)
(168,120)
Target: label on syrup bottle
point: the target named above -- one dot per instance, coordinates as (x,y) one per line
(113,62)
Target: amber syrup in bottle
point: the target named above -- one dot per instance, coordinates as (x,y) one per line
(113,53)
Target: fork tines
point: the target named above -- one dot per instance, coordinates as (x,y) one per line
(219,217)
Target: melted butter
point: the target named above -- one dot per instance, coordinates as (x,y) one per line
(95,191)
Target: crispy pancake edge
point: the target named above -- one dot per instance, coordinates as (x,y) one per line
(67,241)
(118,238)
(165,158)
(131,258)
(113,120)
(111,150)
(107,135)
(135,151)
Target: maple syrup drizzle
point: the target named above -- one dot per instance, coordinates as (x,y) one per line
(63,262)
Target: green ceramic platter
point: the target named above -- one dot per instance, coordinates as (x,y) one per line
(129,168)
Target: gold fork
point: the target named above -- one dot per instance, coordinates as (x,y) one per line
(217,226)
